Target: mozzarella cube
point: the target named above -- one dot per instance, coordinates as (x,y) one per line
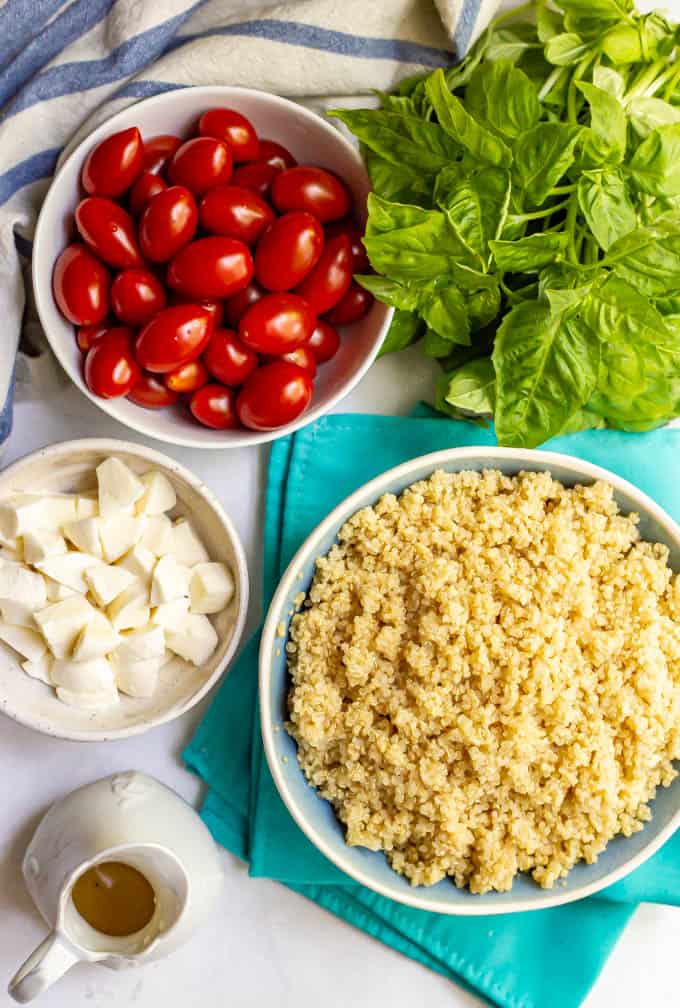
(89,701)
(61,622)
(28,643)
(157,536)
(139,561)
(69,569)
(170,581)
(96,639)
(195,640)
(147,642)
(84,534)
(189,550)
(57,592)
(22,592)
(107,581)
(40,544)
(87,506)
(83,676)
(39,669)
(119,487)
(11,554)
(137,678)
(27,511)
(159,494)
(170,614)
(130,609)
(211,587)
(119,534)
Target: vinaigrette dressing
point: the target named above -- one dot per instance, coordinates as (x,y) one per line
(114,898)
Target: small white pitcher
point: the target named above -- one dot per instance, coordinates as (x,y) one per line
(130,818)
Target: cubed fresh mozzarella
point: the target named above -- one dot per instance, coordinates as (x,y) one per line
(57,592)
(139,561)
(130,610)
(28,643)
(61,622)
(194,640)
(106,581)
(157,536)
(87,506)
(119,487)
(27,511)
(159,494)
(84,534)
(39,669)
(22,592)
(89,701)
(189,550)
(137,678)
(86,676)
(212,588)
(9,554)
(39,544)
(170,614)
(119,534)
(147,642)
(69,569)
(96,639)
(170,581)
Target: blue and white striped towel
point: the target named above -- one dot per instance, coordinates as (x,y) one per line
(66,65)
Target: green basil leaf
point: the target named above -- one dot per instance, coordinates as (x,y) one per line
(405,329)
(446,315)
(544,373)
(397,182)
(390,292)
(583,420)
(606,206)
(609,80)
(436,345)
(456,120)
(504,97)
(668,306)
(562,286)
(483,305)
(565,49)
(607,118)
(511,42)
(655,165)
(404,140)
(650,38)
(649,258)
(548,22)
(472,388)
(476,202)
(542,155)
(647,114)
(601,9)
(529,254)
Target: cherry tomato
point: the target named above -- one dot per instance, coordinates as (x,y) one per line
(324,342)
(158,150)
(214,308)
(329,281)
(188,377)
(173,337)
(81,286)
(147,186)
(109,231)
(355,235)
(303,357)
(256,175)
(234,129)
(235,212)
(353,306)
(288,250)
(238,304)
(110,367)
(213,406)
(151,393)
(114,164)
(136,296)
(212,268)
(274,395)
(168,222)
(228,359)
(88,335)
(315,190)
(272,153)
(277,323)
(200,164)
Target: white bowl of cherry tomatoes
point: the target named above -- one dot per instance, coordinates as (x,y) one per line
(194,265)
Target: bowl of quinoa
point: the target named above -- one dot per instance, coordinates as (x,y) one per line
(470,681)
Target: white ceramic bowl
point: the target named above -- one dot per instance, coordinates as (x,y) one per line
(70,467)
(316,817)
(310,139)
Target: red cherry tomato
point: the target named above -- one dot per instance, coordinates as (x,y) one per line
(277,323)
(315,190)
(235,212)
(256,175)
(324,342)
(232,127)
(355,235)
(81,286)
(200,164)
(238,304)
(151,393)
(274,395)
(158,150)
(88,335)
(109,231)
(114,164)
(136,296)
(303,357)
(214,308)
(228,359)
(213,406)
(353,306)
(212,268)
(272,153)
(329,281)
(288,250)
(145,188)
(110,367)
(188,377)
(173,337)
(168,223)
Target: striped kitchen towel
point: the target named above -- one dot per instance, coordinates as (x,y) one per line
(66,65)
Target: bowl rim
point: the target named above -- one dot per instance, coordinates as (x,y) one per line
(42,285)
(62,450)
(342,511)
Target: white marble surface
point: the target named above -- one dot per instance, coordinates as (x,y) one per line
(266,945)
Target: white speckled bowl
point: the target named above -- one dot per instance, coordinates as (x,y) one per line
(68,467)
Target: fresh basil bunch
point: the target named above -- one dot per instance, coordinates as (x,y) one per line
(525,220)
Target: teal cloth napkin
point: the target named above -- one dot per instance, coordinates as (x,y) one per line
(511,960)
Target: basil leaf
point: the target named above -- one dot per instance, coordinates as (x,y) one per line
(457,121)
(390,292)
(655,165)
(472,387)
(476,203)
(606,206)
(609,80)
(401,139)
(544,373)
(446,315)
(542,155)
(529,254)
(397,182)
(548,22)
(607,118)
(649,258)
(602,9)
(504,97)
(583,420)
(511,42)
(435,345)
(404,330)
(647,114)
(565,49)
(483,305)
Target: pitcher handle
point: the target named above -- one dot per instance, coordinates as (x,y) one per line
(45,964)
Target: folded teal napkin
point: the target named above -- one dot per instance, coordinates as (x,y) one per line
(512,960)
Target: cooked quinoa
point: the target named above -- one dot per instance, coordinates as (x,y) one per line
(486,677)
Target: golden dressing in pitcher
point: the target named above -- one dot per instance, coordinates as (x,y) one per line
(114,898)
